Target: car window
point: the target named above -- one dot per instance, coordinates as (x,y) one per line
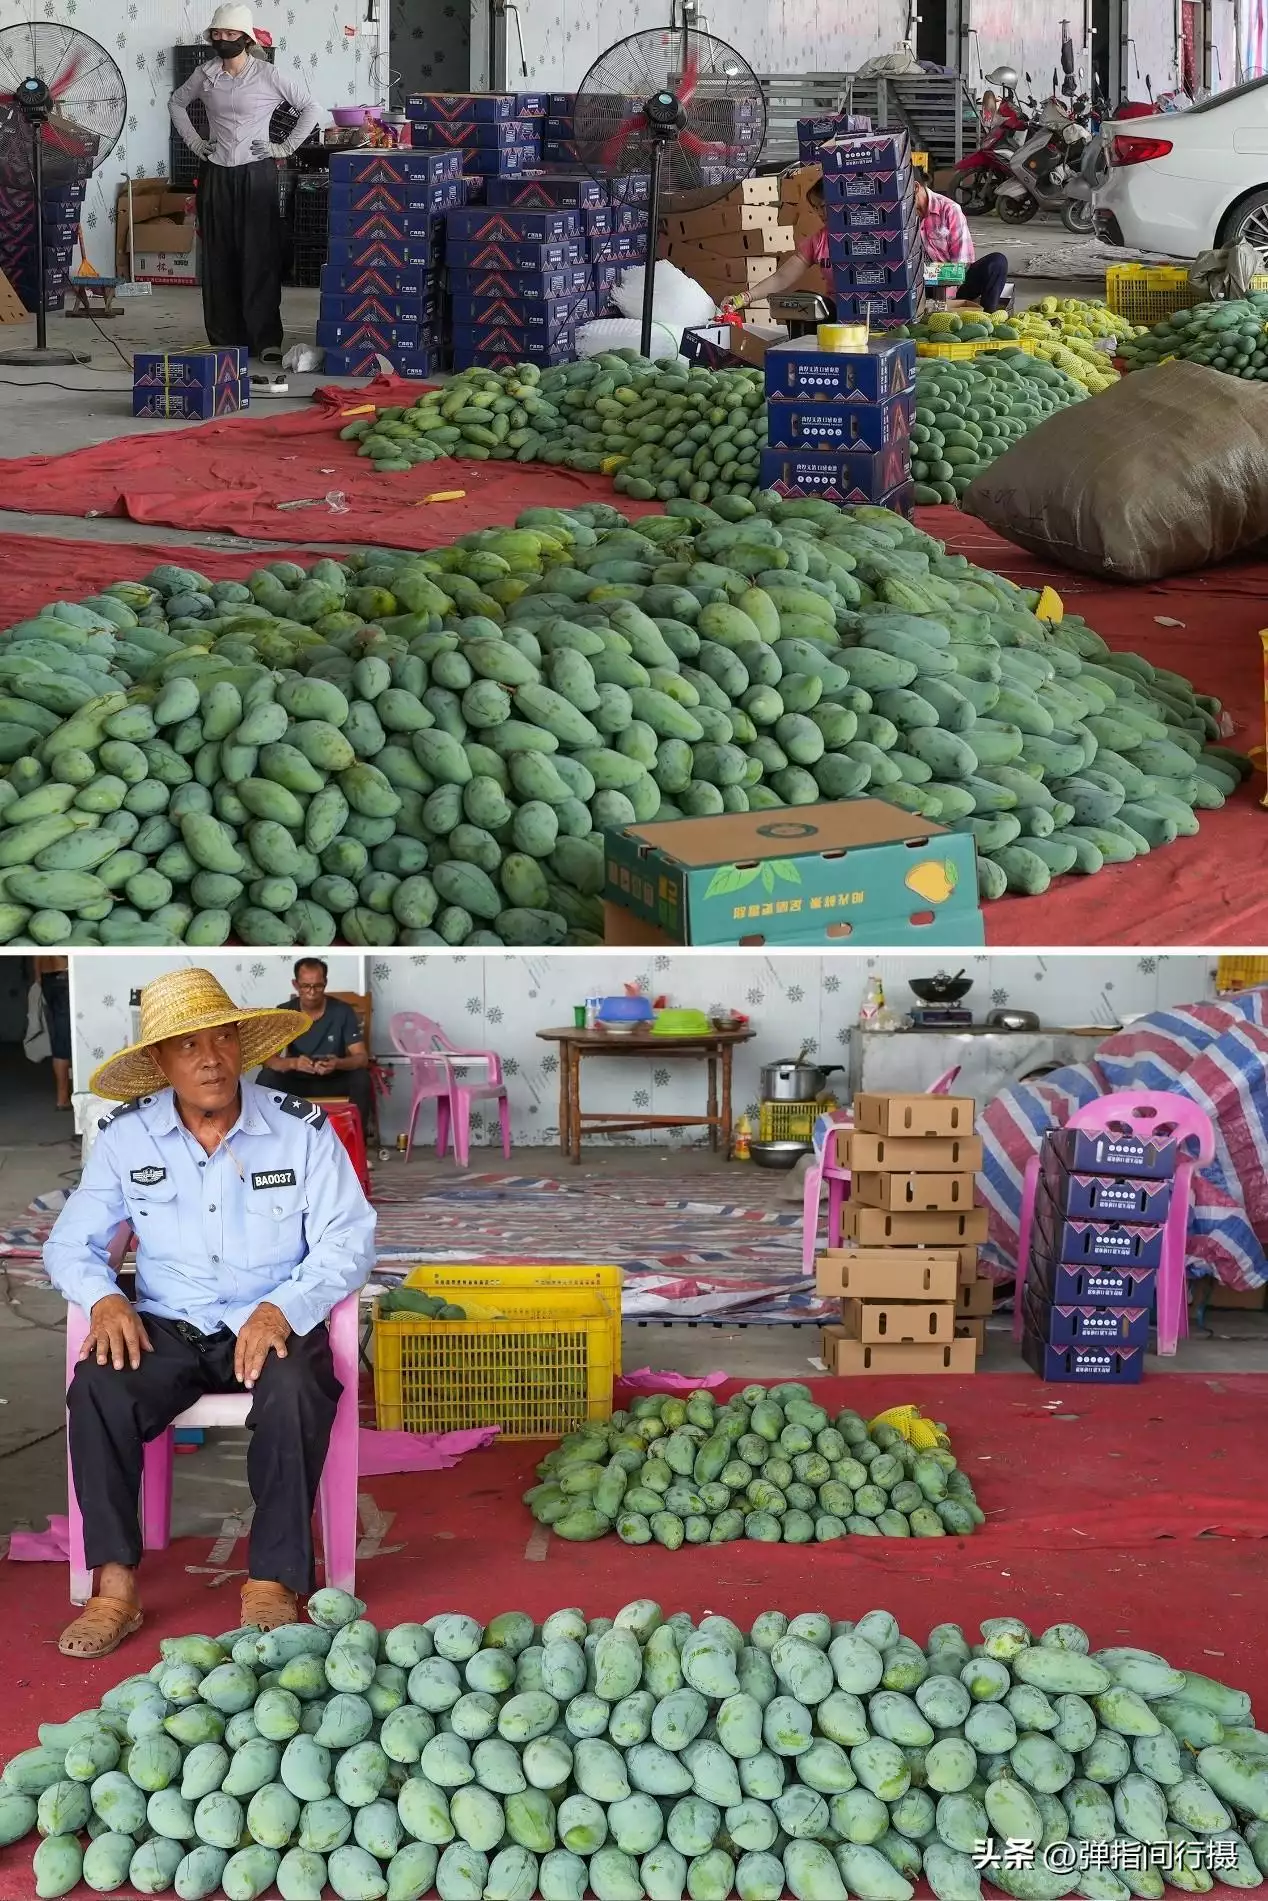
(1234,92)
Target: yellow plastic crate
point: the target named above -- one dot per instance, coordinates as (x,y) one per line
(965,352)
(536,1356)
(1146,293)
(786,1121)
(1234,974)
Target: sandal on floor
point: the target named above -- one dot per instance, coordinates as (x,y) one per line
(100,1627)
(266,1605)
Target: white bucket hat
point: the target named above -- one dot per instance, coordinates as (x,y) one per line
(232,20)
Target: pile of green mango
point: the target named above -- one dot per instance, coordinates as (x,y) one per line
(769,1465)
(417,1303)
(642,1756)
(427,748)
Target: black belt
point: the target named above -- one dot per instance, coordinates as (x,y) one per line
(192,1336)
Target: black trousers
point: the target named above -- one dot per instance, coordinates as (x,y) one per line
(112,1414)
(984,281)
(355,1084)
(240,231)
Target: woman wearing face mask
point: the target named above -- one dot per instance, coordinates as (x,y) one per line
(239,219)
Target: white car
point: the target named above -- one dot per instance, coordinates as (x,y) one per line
(1186,182)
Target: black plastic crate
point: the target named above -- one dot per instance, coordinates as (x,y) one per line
(312,211)
(182,165)
(306,263)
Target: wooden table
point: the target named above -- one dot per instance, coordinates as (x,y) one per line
(712,1046)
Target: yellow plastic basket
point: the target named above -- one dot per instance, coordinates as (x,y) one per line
(536,1356)
(1146,293)
(965,352)
(786,1121)
(1234,974)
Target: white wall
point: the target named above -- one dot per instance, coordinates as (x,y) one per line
(308,36)
(101,983)
(499,1003)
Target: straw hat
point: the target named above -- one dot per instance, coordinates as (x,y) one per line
(231,20)
(177,1004)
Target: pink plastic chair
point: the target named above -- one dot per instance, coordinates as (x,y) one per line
(433,1061)
(1145,1112)
(825,1168)
(337,1493)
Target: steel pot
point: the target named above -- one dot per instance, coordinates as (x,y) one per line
(794,1080)
(1012,1020)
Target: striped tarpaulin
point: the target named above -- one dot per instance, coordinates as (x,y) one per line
(1216,1055)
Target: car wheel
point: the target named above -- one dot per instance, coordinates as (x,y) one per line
(1247,223)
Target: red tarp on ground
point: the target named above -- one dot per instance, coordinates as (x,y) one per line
(229,477)
(1135,1512)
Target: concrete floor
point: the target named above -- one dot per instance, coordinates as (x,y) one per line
(49,412)
(210,1482)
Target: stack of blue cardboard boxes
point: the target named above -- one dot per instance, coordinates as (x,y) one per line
(497,133)
(1101,1207)
(190,385)
(62,208)
(839,422)
(381,283)
(875,263)
(814,133)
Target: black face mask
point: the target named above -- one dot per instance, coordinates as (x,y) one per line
(229,49)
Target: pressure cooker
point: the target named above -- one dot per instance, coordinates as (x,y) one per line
(795,1080)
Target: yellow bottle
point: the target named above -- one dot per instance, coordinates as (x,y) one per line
(740,1151)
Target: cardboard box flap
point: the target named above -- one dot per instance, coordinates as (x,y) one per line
(746,838)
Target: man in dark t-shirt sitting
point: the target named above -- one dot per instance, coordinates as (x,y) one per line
(331,1058)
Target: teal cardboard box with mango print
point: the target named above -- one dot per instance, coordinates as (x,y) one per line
(854,871)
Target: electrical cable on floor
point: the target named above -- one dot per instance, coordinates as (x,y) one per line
(72,389)
(29,1444)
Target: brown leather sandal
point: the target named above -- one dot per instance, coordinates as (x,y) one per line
(267,1605)
(101,1627)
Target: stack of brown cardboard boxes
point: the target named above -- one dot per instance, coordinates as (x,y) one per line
(734,242)
(912,1300)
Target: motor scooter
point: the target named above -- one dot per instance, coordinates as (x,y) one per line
(1044,162)
(978,176)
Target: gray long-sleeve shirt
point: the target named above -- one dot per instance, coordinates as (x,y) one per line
(239,107)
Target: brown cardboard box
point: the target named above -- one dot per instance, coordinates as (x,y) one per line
(914,1115)
(724,217)
(968,1265)
(899,1323)
(977,1300)
(11,310)
(886,1228)
(914,1192)
(731,273)
(723,345)
(974,1330)
(164,223)
(846,1357)
(1249,1299)
(888,1273)
(756,191)
(770,241)
(864,1151)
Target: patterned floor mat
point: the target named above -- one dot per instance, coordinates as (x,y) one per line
(684,1257)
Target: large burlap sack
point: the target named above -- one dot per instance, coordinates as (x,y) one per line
(1165,472)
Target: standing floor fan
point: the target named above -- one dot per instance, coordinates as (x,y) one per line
(62,109)
(680,106)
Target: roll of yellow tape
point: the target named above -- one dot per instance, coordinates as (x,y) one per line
(842,336)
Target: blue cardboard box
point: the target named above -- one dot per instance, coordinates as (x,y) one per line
(468,354)
(882,309)
(536,345)
(1085,1363)
(606,278)
(865,152)
(467,134)
(371,280)
(479,106)
(514,313)
(508,255)
(387,168)
(363,254)
(544,189)
(506,163)
(532,105)
(1091,1286)
(621,247)
(1079,1241)
(839,426)
(560,151)
(395,227)
(559,128)
(492,223)
(851,478)
(1064,1323)
(799,368)
(894,212)
(862,276)
(597,221)
(189,402)
(407,195)
(562,102)
(1118,1151)
(334,335)
(365,362)
(527,286)
(632,188)
(847,248)
(1104,1197)
(847,188)
(855,870)
(189,369)
(352,307)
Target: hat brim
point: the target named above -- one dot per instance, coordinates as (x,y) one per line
(250,36)
(135,1071)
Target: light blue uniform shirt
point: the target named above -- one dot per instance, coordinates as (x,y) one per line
(276,1214)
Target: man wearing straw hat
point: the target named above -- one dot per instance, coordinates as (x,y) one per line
(250,1226)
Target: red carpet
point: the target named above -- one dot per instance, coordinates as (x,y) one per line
(230,477)
(1137,1513)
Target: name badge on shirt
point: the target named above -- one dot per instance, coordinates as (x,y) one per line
(274,1178)
(146,1177)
